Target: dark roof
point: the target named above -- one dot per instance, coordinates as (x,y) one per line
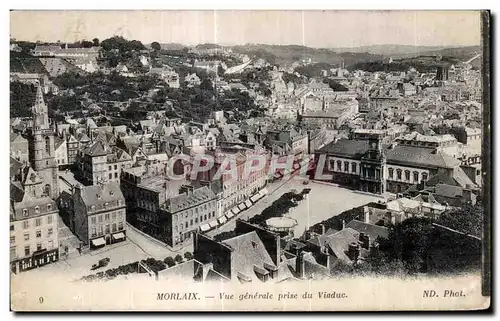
(373,231)
(186,200)
(15,166)
(458,178)
(346,147)
(96,149)
(100,194)
(420,157)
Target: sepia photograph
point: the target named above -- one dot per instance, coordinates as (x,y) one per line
(249,160)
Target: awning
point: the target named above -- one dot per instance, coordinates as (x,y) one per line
(248,203)
(118,236)
(263,191)
(235,210)
(98,242)
(229,214)
(222,220)
(212,224)
(255,198)
(242,206)
(204,227)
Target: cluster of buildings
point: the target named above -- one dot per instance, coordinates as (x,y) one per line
(409,135)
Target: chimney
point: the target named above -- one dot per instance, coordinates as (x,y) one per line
(188,189)
(365,241)
(342,224)
(353,251)
(366,214)
(323,229)
(300,265)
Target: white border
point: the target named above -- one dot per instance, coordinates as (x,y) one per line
(190,4)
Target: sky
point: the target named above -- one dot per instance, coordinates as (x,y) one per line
(326,29)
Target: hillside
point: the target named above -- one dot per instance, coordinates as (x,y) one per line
(288,54)
(25,63)
(389,50)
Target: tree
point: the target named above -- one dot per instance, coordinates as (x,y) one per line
(86,44)
(178,258)
(335,85)
(188,256)
(95,42)
(156,46)
(169,261)
(467,219)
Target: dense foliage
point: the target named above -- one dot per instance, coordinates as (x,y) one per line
(22,97)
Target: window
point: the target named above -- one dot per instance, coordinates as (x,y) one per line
(339,166)
(100,230)
(100,218)
(13,252)
(114,227)
(26,236)
(346,166)
(391,173)
(12,239)
(120,226)
(424,176)
(26,250)
(93,220)
(399,173)
(109,167)
(354,167)
(50,231)
(51,244)
(116,167)
(107,228)
(94,232)
(113,216)
(12,227)
(38,246)
(110,175)
(106,217)
(25,212)
(38,234)
(37,209)
(49,207)
(415,177)
(47,145)
(116,175)
(49,219)
(191,223)
(196,220)
(205,217)
(38,222)
(407,175)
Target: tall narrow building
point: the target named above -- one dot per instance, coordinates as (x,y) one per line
(41,143)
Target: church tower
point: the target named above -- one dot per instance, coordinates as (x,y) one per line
(42,151)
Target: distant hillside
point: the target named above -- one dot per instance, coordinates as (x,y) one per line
(170,46)
(461,53)
(288,54)
(389,50)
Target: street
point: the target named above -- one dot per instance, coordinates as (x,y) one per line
(323,201)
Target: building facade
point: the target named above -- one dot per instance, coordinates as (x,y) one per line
(99,214)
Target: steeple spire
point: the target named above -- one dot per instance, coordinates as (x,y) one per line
(39,110)
(39,96)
